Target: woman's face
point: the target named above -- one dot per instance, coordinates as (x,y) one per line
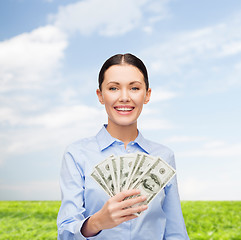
(123,94)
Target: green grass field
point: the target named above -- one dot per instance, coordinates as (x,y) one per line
(25,220)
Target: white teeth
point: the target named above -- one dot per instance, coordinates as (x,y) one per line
(124,109)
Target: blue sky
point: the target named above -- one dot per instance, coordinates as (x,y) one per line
(50,55)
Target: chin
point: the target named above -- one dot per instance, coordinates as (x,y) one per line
(126,124)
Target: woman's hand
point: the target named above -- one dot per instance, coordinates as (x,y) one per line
(114,212)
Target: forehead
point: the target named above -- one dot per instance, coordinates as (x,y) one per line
(123,74)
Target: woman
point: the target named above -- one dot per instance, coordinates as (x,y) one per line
(87,212)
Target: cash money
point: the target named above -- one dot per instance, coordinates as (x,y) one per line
(100,181)
(114,173)
(139,170)
(141,165)
(105,170)
(154,180)
(125,166)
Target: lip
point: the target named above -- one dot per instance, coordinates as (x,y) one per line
(124,109)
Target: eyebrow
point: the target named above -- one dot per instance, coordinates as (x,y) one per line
(135,82)
(117,83)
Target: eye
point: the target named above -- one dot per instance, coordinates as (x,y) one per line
(112,88)
(134,88)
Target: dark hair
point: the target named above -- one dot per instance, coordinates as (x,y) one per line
(120,59)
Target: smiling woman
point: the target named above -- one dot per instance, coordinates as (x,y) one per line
(123,94)
(86,211)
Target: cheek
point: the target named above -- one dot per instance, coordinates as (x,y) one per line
(139,99)
(108,98)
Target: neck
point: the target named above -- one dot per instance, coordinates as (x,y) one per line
(125,134)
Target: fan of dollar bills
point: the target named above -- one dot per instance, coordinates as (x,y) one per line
(133,171)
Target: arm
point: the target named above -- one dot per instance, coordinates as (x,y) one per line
(72,224)
(70,217)
(175,226)
(114,212)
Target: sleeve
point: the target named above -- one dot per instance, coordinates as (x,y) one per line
(71,214)
(175,226)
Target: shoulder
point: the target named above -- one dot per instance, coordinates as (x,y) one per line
(158,147)
(83,145)
(162,151)
(82,152)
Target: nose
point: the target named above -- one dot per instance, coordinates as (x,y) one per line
(124,96)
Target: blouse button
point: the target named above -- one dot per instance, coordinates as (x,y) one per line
(128,150)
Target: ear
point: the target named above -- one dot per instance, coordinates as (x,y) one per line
(148,96)
(99,94)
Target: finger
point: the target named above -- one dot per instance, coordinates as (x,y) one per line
(127,218)
(120,206)
(133,210)
(130,202)
(122,195)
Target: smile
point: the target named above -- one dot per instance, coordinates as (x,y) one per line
(124,109)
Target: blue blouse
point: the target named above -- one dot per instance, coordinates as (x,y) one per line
(82,196)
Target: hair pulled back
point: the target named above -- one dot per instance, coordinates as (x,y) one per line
(121,59)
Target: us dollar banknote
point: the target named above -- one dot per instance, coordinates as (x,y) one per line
(142,164)
(114,169)
(125,166)
(138,170)
(154,180)
(105,170)
(101,182)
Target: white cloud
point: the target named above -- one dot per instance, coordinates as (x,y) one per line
(221,188)
(231,48)
(159,94)
(57,127)
(31,58)
(192,189)
(28,62)
(196,54)
(215,144)
(65,116)
(203,146)
(107,17)
(150,120)
(147,29)
(54,118)
(34,190)
(158,7)
(183,139)
(154,123)
(214,149)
